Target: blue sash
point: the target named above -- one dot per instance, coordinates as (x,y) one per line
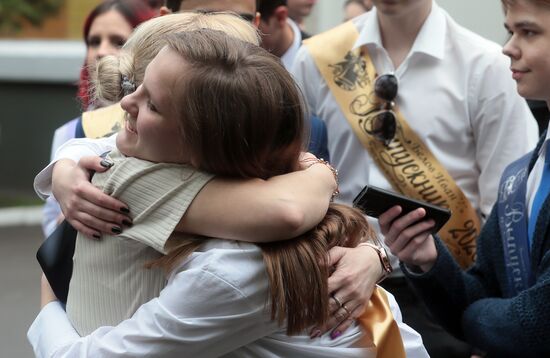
(512,217)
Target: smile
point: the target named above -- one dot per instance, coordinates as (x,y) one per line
(129,126)
(517,74)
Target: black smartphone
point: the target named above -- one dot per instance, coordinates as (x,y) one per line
(374,201)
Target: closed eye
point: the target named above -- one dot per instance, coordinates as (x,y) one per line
(151,106)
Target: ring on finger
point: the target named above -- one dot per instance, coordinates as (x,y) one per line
(337,300)
(346,309)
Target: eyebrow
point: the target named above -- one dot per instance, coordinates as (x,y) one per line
(522,24)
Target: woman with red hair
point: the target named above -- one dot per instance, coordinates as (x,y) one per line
(106,29)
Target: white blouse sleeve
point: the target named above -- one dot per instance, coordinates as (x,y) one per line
(74,150)
(198,314)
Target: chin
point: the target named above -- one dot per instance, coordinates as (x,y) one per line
(125,151)
(122,145)
(529,94)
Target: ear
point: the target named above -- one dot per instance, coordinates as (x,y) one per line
(256,21)
(164,11)
(281,14)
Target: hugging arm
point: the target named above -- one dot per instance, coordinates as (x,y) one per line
(257,210)
(215,318)
(254,210)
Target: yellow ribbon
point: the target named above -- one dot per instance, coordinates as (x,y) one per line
(380,329)
(406,161)
(103,122)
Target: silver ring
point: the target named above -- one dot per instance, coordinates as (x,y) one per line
(346,309)
(337,300)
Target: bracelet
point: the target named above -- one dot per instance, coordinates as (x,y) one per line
(332,169)
(384,259)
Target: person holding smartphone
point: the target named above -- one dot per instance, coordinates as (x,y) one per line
(406,72)
(501,303)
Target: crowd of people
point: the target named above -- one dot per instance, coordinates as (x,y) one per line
(206,230)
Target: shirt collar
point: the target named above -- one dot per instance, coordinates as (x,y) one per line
(430,40)
(288,57)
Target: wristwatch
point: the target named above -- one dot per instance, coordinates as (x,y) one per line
(384,259)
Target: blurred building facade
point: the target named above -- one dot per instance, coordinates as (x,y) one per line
(39,69)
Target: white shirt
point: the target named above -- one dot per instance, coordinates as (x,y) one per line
(73,149)
(214,305)
(456,93)
(288,57)
(52,211)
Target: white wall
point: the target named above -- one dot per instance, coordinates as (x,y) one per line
(41,60)
(482,16)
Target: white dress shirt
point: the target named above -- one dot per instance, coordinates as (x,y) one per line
(73,149)
(455,91)
(214,305)
(288,57)
(52,211)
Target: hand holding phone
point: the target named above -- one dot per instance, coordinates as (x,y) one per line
(375,201)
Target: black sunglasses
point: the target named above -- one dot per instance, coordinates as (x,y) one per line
(383,121)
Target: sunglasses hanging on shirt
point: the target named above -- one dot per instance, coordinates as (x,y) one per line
(382,121)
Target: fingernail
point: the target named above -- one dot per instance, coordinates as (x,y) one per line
(316,333)
(127,223)
(116,230)
(97,236)
(106,163)
(125,210)
(335,334)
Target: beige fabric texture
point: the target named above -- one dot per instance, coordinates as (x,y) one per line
(109,279)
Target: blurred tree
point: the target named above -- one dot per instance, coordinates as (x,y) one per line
(14,13)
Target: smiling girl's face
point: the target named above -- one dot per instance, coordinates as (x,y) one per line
(152,131)
(528,23)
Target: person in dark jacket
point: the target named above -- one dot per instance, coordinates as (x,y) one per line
(501,303)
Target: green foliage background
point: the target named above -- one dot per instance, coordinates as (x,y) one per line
(14,12)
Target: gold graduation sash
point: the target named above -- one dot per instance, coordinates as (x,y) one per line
(380,329)
(406,162)
(103,122)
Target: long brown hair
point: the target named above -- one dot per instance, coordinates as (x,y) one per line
(242,116)
(242,113)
